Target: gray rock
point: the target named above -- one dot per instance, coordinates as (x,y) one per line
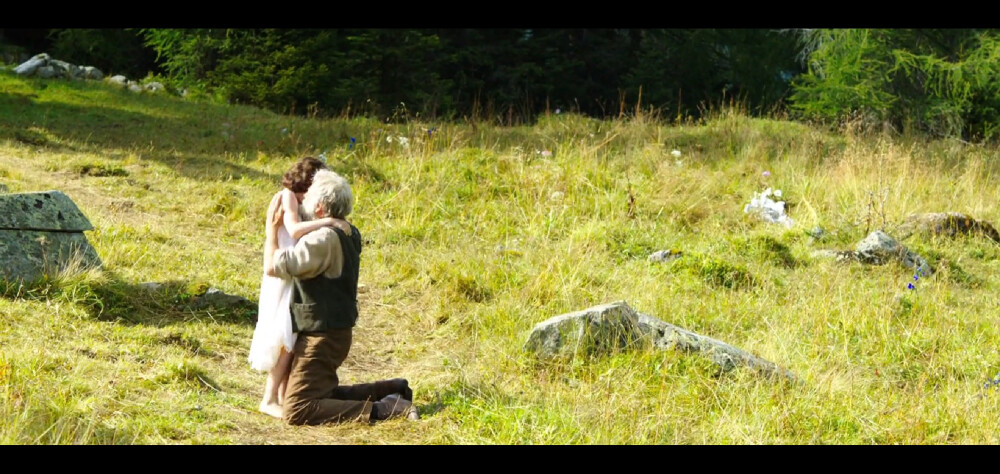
(42,233)
(49,210)
(216,298)
(91,72)
(132,86)
(879,248)
(62,68)
(665,255)
(28,67)
(154,87)
(118,80)
(817,233)
(598,329)
(616,326)
(46,72)
(668,336)
(151,285)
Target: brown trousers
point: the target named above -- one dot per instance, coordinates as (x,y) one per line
(314,395)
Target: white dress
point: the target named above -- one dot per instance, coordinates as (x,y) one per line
(274,318)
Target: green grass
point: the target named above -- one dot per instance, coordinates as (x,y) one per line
(471,238)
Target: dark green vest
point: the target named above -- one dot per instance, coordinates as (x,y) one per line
(322,303)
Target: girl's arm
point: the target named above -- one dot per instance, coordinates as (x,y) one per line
(270,233)
(296,227)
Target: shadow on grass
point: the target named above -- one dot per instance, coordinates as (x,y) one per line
(185,143)
(105,297)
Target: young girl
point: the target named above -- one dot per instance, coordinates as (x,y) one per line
(271,347)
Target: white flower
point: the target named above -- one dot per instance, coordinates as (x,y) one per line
(404,141)
(777,193)
(676,153)
(388,139)
(558,111)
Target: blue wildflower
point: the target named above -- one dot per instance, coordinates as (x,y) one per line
(351,145)
(910,286)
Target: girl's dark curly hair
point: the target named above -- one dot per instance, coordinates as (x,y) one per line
(299,177)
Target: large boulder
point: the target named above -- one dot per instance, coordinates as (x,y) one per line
(598,329)
(28,67)
(42,234)
(616,326)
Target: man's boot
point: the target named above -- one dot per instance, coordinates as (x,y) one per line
(393,406)
(402,387)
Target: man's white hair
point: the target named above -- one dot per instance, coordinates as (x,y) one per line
(332,192)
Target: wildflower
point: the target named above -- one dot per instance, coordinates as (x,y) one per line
(388,139)
(910,286)
(676,153)
(430,131)
(351,145)
(284,131)
(766,173)
(777,192)
(545,153)
(322,157)
(404,141)
(558,111)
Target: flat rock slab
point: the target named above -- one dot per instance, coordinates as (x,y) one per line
(616,326)
(950,224)
(668,336)
(216,298)
(42,234)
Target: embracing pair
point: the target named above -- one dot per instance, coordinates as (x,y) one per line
(308,306)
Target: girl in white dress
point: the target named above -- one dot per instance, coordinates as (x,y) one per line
(273,339)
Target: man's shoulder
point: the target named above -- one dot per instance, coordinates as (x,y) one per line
(320,235)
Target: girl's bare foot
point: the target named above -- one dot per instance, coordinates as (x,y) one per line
(272,409)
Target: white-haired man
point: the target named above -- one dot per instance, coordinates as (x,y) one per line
(324,267)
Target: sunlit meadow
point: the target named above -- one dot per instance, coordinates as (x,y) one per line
(473,234)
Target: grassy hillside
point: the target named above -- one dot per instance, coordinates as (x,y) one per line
(473,234)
